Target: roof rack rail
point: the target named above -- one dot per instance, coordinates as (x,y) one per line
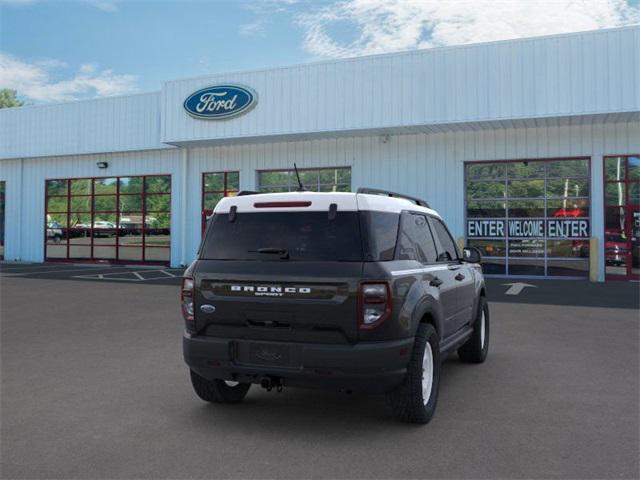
(387,193)
(242,193)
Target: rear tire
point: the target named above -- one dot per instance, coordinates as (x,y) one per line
(415,400)
(476,348)
(218,391)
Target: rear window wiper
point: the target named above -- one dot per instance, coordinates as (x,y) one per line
(283,252)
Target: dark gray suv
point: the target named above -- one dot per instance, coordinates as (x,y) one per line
(352,291)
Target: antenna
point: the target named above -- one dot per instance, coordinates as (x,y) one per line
(300,186)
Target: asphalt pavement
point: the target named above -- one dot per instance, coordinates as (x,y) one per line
(94,386)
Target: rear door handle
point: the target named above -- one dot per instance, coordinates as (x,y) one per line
(459,277)
(436,282)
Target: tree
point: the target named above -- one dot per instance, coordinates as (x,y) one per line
(8,98)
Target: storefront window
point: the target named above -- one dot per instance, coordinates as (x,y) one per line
(530,218)
(123,219)
(316,180)
(622,217)
(215,186)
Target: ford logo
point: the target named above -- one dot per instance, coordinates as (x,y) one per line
(220,101)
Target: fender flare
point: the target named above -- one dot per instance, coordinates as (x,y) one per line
(428,306)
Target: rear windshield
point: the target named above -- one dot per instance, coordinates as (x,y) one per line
(309,236)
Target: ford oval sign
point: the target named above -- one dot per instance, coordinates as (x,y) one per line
(220,102)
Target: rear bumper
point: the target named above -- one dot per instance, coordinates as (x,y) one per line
(366,366)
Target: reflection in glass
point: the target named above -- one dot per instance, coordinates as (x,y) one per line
(565,268)
(485,190)
(526,248)
(57,204)
(81,186)
(568,168)
(493,266)
(329,179)
(519,266)
(79,252)
(105,203)
(105,186)
(104,252)
(80,204)
(615,193)
(527,169)
(96,221)
(133,254)
(634,193)
(131,203)
(634,168)
(489,248)
(58,250)
(486,171)
(614,168)
(614,218)
(525,208)
(152,254)
(158,184)
(158,203)
(568,208)
(57,187)
(525,188)
(568,188)
(214,182)
(130,185)
(568,248)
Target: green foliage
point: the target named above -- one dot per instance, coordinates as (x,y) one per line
(8,98)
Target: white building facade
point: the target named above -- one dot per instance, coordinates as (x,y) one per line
(529,149)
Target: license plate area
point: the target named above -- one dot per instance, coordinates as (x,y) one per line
(264,353)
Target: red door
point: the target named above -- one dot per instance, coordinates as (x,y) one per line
(622,217)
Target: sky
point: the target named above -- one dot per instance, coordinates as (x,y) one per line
(54,50)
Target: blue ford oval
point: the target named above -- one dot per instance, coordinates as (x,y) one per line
(220,101)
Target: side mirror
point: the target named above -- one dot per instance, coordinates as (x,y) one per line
(471,255)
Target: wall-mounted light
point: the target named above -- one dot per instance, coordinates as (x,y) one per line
(102,164)
(384,138)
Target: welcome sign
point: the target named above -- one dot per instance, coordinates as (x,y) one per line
(528,228)
(220,102)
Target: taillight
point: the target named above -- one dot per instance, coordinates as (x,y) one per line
(374,302)
(186,299)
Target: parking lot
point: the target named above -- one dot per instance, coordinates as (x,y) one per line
(94,386)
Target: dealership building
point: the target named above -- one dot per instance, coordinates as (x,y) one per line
(529,149)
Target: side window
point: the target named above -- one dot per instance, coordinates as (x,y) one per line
(416,241)
(450,251)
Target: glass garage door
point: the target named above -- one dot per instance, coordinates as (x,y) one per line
(622,217)
(116,219)
(530,218)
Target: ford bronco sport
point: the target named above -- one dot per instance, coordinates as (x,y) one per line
(352,291)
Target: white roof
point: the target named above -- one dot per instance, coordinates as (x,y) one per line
(318,201)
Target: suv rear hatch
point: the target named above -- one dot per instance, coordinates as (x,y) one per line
(285,275)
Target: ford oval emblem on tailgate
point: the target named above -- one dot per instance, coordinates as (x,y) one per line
(207,308)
